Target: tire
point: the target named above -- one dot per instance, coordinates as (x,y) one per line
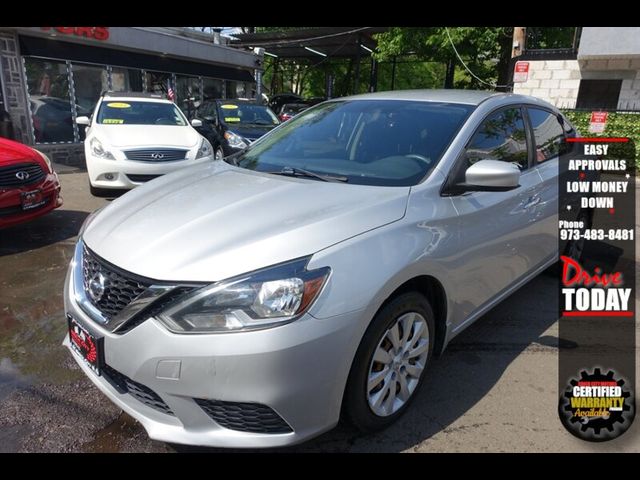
(218,153)
(358,399)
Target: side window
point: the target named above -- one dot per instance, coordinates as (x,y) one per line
(548,133)
(501,136)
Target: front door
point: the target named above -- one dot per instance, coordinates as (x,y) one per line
(495,228)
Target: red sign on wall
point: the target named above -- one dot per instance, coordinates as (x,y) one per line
(96,33)
(521,72)
(598,122)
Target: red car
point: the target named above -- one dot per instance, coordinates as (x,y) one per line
(29,187)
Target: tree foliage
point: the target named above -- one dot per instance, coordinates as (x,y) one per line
(485,50)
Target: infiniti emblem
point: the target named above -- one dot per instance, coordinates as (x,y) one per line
(157,155)
(97,287)
(22,175)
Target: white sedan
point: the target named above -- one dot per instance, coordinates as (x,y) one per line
(134,138)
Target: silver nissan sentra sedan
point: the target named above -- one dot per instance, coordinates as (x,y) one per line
(249,302)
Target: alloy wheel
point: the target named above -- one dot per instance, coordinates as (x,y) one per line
(397,364)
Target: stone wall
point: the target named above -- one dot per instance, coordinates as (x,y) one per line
(66,154)
(555,81)
(12,73)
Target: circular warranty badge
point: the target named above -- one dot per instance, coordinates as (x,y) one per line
(597,407)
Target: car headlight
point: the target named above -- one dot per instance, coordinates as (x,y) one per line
(235,140)
(46,159)
(99,151)
(205,149)
(262,299)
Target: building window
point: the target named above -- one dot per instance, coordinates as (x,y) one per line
(49,100)
(89,82)
(602,94)
(213,88)
(188,91)
(157,82)
(126,80)
(240,89)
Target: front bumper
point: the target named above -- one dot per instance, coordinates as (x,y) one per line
(298,370)
(11,212)
(128,174)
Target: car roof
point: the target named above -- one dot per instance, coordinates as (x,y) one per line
(468,97)
(138,96)
(235,100)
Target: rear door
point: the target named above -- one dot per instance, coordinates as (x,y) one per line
(548,138)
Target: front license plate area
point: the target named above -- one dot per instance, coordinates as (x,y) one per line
(32,199)
(87,345)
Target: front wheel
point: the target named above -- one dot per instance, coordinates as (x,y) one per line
(219,153)
(390,362)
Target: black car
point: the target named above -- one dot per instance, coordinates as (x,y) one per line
(290,110)
(236,123)
(278,100)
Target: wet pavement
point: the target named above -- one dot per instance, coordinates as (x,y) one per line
(494,389)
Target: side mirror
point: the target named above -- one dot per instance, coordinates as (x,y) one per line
(492,176)
(83,121)
(196,122)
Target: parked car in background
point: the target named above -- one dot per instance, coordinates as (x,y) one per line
(278,100)
(238,123)
(134,137)
(290,110)
(312,277)
(29,187)
(52,118)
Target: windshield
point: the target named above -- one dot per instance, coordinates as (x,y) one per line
(139,113)
(370,142)
(247,114)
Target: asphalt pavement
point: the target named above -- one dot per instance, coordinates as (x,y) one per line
(493,390)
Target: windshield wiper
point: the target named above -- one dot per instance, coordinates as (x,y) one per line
(299,172)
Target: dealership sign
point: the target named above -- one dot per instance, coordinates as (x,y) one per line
(96,33)
(521,72)
(598,122)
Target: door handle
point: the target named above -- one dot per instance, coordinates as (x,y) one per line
(532,202)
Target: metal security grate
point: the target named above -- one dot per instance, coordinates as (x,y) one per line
(21,174)
(244,417)
(142,178)
(143,394)
(120,289)
(156,155)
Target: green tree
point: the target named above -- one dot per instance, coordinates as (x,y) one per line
(485,50)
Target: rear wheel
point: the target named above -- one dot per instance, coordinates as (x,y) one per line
(390,362)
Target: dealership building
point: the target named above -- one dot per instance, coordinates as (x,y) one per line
(603,72)
(51,75)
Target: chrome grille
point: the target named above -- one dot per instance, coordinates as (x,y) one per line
(30,173)
(120,289)
(156,155)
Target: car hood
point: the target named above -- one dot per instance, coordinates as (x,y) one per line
(251,132)
(13,152)
(214,221)
(147,135)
